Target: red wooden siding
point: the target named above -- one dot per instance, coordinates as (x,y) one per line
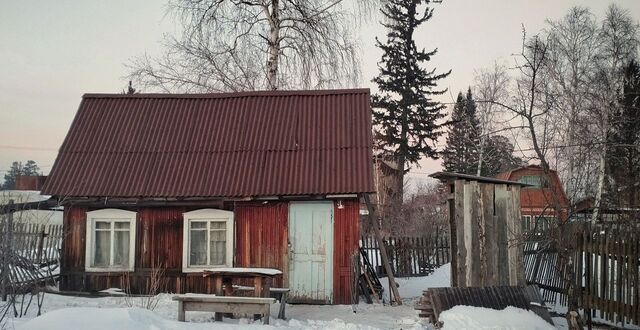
(74,226)
(159,241)
(159,238)
(346,234)
(262,236)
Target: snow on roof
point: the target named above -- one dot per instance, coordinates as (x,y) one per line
(469,317)
(242,270)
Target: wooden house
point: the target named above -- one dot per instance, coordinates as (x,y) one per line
(189,182)
(536,199)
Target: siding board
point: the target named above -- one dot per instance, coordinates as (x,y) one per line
(261,237)
(346,235)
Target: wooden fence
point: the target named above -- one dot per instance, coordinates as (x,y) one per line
(30,253)
(409,256)
(39,243)
(608,260)
(606,264)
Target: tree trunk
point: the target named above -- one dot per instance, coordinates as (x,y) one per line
(601,173)
(274,45)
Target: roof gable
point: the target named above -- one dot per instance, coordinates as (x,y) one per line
(217,145)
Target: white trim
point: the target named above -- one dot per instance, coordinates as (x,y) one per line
(111,215)
(206,215)
(343,196)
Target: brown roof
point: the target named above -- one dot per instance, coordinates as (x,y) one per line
(533,197)
(217,145)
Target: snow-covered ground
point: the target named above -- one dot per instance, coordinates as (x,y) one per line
(65,312)
(411,287)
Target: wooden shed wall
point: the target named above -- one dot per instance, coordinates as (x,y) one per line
(346,242)
(261,236)
(158,244)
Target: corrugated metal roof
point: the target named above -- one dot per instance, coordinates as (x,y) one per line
(217,145)
(444,176)
(494,297)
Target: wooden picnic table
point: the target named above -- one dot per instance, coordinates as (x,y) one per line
(223,279)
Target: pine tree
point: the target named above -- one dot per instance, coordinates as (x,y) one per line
(405,115)
(460,154)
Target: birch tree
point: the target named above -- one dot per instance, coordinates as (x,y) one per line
(490,86)
(618,40)
(231,45)
(573,48)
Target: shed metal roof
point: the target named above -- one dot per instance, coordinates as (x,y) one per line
(217,145)
(445,176)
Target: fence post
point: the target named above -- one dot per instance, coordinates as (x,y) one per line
(6,250)
(40,247)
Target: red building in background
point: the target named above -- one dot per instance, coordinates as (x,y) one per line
(536,200)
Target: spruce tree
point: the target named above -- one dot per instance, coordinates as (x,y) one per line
(460,154)
(405,115)
(498,156)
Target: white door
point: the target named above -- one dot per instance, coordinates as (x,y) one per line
(311,252)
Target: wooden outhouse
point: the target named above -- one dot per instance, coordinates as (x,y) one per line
(485,230)
(188,182)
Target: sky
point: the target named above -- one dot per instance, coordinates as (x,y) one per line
(52,52)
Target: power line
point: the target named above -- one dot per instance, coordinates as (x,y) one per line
(6,146)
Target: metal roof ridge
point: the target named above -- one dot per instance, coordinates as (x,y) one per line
(261,93)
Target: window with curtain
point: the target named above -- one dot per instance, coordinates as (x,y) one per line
(208,243)
(208,240)
(110,240)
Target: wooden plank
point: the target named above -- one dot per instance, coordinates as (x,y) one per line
(458,225)
(472,222)
(514,236)
(489,237)
(502,260)
(394,296)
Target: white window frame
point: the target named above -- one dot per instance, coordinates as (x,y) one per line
(206,215)
(109,215)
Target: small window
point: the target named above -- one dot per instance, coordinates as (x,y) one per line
(208,240)
(536,181)
(110,240)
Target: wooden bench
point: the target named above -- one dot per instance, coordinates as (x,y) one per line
(222,304)
(280,294)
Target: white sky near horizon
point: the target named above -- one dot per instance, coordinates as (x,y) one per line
(52,52)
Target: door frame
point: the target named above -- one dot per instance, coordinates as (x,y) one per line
(329,250)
